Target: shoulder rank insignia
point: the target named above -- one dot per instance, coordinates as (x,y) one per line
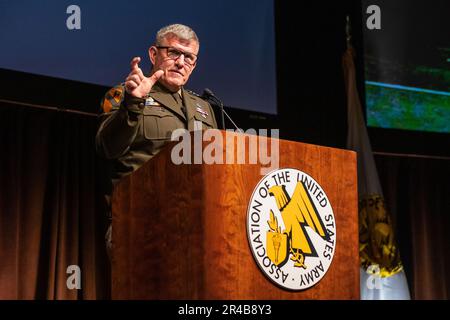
(193,93)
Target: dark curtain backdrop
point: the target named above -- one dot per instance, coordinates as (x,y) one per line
(417,191)
(51,209)
(52,212)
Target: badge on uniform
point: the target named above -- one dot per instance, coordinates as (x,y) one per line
(149,101)
(113,99)
(201,111)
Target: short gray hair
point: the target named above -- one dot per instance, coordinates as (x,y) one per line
(179,30)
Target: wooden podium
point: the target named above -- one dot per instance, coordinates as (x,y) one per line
(179,231)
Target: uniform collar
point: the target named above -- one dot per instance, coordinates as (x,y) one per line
(165,97)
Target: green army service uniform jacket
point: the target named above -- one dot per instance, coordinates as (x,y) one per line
(133,130)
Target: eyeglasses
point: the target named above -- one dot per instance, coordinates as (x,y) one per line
(174,54)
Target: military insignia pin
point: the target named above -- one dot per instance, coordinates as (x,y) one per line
(200,110)
(149,101)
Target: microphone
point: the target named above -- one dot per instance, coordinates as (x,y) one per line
(209,95)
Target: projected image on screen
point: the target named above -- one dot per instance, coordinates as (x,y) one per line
(407,66)
(237,43)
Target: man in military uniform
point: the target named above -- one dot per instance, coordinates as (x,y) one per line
(140,115)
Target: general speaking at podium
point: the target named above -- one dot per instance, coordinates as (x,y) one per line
(140,115)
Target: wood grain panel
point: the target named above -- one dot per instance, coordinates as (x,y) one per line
(179,232)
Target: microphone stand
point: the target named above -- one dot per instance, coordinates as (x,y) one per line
(211,97)
(222,112)
(216,101)
(229,118)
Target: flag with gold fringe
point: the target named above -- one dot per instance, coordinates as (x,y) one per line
(382,274)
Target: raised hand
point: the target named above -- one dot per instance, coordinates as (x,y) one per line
(138,85)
